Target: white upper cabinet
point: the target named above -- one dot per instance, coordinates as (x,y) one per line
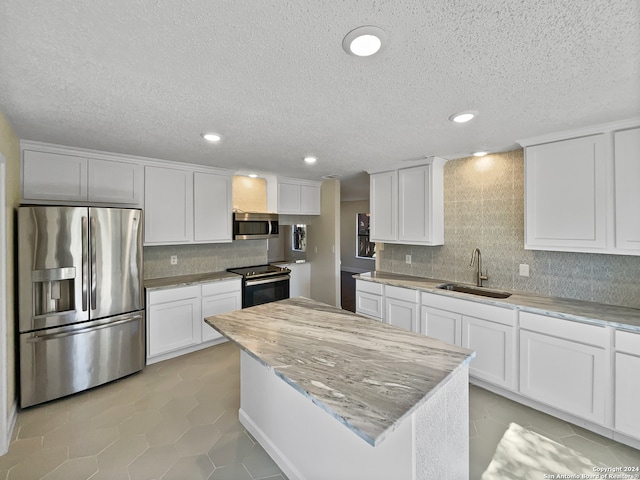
(582,190)
(168,213)
(407,205)
(566,190)
(51,174)
(183,206)
(627,181)
(111,181)
(298,197)
(383,201)
(212,207)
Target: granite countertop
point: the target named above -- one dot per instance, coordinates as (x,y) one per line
(566,308)
(368,375)
(179,281)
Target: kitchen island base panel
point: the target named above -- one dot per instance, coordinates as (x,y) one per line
(308,444)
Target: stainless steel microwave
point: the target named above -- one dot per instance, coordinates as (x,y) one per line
(248,226)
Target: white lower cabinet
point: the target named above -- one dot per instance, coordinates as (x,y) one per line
(626,383)
(218,298)
(565,365)
(488,330)
(173,320)
(300,283)
(401,307)
(441,324)
(494,345)
(370,299)
(175,316)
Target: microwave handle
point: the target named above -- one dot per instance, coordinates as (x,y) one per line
(270,226)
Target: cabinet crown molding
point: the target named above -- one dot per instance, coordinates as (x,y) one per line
(103,155)
(581,132)
(409,164)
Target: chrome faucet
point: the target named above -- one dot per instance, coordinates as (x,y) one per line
(479,276)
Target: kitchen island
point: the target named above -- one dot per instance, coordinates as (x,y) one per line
(369,400)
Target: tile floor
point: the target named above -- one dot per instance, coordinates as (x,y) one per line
(178,420)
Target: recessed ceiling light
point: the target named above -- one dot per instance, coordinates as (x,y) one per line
(364,41)
(463,117)
(479,154)
(253,175)
(212,137)
(310,160)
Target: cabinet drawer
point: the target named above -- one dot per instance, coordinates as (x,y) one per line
(575,331)
(369,304)
(370,287)
(628,342)
(399,293)
(173,294)
(222,286)
(506,316)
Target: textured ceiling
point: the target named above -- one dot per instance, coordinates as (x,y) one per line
(144,77)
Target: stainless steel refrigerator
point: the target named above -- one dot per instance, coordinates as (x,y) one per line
(81,299)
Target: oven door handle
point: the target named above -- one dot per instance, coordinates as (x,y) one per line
(279,278)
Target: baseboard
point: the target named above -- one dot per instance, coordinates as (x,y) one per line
(12,417)
(265,442)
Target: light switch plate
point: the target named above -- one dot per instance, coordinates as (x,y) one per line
(407,259)
(524,270)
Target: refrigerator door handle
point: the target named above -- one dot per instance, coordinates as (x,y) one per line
(37,337)
(94,274)
(85,264)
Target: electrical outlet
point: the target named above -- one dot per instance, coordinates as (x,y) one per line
(407,259)
(524,270)
(174,259)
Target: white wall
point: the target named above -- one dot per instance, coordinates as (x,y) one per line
(323,249)
(348,259)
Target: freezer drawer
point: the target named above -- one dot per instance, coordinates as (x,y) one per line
(60,361)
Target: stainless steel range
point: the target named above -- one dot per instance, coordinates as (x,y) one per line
(263,284)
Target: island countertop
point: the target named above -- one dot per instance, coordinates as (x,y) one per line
(368,375)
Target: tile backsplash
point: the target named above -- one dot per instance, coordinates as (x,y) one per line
(484,208)
(214,257)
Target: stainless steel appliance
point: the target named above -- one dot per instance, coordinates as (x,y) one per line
(81,299)
(251,225)
(263,284)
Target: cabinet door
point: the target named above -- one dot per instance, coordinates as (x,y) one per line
(627,393)
(211,207)
(627,177)
(168,205)
(402,314)
(414,219)
(493,344)
(441,324)
(110,181)
(565,184)
(309,200)
(174,325)
(383,205)
(216,305)
(567,375)
(300,283)
(51,176)
(288,198)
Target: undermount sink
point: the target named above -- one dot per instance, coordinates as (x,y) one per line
(483,292)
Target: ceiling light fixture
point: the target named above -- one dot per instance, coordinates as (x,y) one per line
(212,137)
(463,117)
(253,175)
(364,41)
(479,154)
(310,160)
